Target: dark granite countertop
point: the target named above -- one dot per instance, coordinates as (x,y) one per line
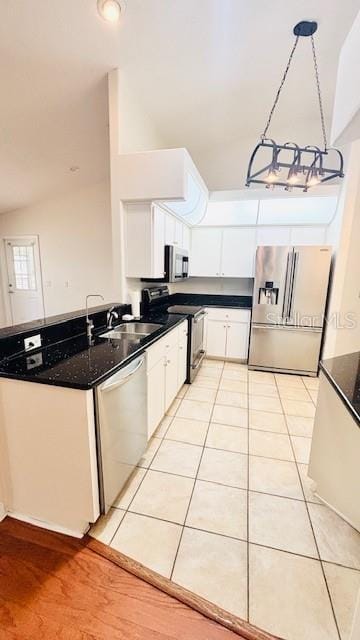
(65,358)
(343,372)
(72,363)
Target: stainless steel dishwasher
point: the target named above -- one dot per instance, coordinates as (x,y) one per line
(121,426)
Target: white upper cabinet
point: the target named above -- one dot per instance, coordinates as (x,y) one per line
(238,252)
(227,253)
(144,241)
(169,229)
(178,238)
(205,254)
(176,232)
(186,238)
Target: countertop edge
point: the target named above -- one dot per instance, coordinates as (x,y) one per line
(95,383)
(340,393)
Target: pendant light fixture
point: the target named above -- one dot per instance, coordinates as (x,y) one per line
(289,165)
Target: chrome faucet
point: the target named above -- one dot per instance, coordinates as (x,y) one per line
(89,322)
(111,315)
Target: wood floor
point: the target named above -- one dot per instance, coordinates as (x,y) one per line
(53,586)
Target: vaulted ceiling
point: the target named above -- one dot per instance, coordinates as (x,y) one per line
(205,71)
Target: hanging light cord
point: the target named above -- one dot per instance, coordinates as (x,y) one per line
(263,135)
(319,93)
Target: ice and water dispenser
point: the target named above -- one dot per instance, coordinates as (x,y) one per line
(268,293)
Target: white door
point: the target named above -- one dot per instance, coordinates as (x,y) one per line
(171,376)
(169,229)
(216,338)
(238,253)
(182,362)
(205,252)
(237,342)
(156,395)
(179,233)
(24,283)
(186,238)
(158,243)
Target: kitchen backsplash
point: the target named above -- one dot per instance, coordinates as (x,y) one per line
(229,286)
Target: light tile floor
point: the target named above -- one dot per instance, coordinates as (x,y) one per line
(221,503)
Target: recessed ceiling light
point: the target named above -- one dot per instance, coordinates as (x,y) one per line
(110,10)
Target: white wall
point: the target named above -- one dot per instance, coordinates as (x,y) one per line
(225,166)
(345,291)
(75,245)
(131,130)
(346,114)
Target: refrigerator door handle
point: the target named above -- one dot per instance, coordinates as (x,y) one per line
(293,281)
(282,327)
(288,274)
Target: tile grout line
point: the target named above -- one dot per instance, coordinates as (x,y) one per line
(231,486)
(256,544)
(141,482)
(313,532)
(203,447)
(195,479)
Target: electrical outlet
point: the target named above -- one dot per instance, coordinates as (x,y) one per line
(34,361)
(34,342)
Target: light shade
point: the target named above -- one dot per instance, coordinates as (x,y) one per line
(110,10)
(290,166)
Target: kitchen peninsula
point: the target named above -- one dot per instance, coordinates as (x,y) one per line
(335,452)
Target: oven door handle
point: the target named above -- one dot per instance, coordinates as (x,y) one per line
(198,363)
(200,317)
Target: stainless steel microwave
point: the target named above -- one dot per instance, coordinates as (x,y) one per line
(176,265)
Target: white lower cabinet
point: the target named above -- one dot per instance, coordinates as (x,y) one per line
(228,333)
(216,338)
(182,361)
(171,376)
(156,395)
(237,340)
(166,373)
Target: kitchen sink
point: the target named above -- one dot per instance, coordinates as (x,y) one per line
(131,328)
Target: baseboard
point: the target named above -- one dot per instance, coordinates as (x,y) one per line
(244,629)
(3,511)
(338,513)
(50,526)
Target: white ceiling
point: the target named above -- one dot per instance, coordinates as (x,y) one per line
(204,70)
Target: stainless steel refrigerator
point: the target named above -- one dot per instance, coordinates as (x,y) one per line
(290,291)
